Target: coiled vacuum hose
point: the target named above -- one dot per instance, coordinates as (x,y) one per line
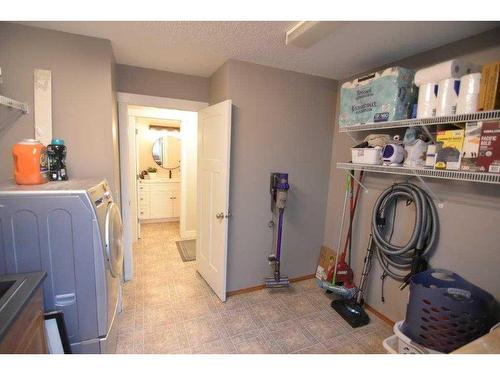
(400,262)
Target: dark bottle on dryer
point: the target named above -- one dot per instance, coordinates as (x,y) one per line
(56,154)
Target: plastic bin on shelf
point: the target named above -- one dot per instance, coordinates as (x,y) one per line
(366,156)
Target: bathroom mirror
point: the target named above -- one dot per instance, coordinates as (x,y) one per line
(167,151)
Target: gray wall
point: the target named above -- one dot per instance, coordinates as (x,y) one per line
(81,96)
(469,236)
(219,89)
(282,121)
(144,81)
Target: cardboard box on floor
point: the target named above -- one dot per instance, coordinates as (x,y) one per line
(325,261)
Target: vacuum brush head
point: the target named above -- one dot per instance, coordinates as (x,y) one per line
(352,312)
(282,282)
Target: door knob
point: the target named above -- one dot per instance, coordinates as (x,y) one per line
(220,215)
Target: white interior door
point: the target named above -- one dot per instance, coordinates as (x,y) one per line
(214,148)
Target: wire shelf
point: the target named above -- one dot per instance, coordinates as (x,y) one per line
(470,117)
(483,177)
(13,104)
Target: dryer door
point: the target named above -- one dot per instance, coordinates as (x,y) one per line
(113,235)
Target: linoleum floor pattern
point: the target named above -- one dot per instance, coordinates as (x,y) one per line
(169,308)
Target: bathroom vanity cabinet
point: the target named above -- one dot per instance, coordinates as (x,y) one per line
(159,199)
(22,329)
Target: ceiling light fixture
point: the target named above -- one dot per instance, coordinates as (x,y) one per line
(307,33)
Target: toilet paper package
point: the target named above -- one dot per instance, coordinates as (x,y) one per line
(386,95)
(447,97)
(427,97)
(469,93)
(447,69)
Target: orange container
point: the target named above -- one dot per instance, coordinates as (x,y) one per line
(30,162)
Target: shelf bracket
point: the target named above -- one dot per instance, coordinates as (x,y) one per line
(440,203)
(365,189)
(354,140)
(426,130)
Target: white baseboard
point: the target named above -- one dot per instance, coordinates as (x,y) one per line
(167,220)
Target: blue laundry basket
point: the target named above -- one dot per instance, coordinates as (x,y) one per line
(445,311)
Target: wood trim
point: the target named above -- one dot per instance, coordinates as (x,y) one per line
(263,286)
(379,314)
(160,101)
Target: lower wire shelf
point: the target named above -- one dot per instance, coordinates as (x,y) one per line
(483,177)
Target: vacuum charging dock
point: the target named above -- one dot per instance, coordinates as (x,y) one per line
(278,188)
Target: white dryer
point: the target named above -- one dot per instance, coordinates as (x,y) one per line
(73,231)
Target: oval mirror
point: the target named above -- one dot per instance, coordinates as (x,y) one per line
(167,151)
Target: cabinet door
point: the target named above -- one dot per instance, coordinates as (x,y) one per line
(176,203)
(144,204)
(26,335)
(161,205)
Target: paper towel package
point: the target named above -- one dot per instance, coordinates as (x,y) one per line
(386,95)
(447,97)
(427,99)
(469,93)
(446,69)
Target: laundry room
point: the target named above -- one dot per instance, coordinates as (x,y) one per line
(248,187)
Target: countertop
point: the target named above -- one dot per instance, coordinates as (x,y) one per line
(13,302)
(158,180)
(487,344)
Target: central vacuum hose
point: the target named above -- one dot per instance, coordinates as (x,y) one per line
(401,262)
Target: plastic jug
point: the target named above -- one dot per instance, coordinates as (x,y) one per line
(30,162)
(56,156)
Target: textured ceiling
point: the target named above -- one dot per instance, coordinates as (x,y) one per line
(199,48)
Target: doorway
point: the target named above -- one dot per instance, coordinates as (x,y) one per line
(166,163)
(168,148)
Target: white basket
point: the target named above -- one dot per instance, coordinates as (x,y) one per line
(391,344)
(402,344)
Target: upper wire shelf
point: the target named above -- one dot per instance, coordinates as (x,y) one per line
(483,177)
(470,117)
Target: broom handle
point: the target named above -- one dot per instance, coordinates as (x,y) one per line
(352,212)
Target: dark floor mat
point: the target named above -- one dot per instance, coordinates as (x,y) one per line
(187,250)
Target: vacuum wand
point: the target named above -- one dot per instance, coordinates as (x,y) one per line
(278,245)
(366,270)
(279,193)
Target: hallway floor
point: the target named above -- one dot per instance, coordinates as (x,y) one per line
(168,308)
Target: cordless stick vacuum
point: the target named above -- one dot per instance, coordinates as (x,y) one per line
(279,192)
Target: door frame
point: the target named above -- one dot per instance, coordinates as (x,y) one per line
(127,178)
